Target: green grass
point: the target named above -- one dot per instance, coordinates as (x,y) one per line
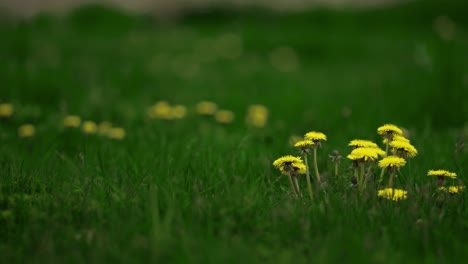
(192,190)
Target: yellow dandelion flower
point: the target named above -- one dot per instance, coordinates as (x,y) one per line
(299,168)
(104,127)
(366,154)
(288,164)
(304,143)
(441,173)
(179,111)
(392,194)
(361,143)
(396,138)
(89,127)
(403,149)
(316,137)
(116,133)
(224,116)
(389,130)
(26,131)
(452,189)
(72,121)
(6,110)
(257,115)
(392,162)
(206,108)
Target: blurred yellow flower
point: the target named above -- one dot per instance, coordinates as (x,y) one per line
(294,139)
(224,116)
(392,194)
(179,111)
(403,149)
(26,130)
(392,162)
(389,130)
(72,121)
(6,110)
(206,108)
(441,173)
(89,127)
(161,110)
(366,154)
(104,127)
(361,143)
(116,133)
(257,115)
(452,189)
(290,164)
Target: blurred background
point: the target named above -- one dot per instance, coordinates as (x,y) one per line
(162,8)
(327,63)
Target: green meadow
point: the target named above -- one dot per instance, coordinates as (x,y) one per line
(191,189)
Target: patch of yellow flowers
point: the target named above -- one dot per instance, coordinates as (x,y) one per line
(257,116)
(311,141)
(365,156)
(89,127)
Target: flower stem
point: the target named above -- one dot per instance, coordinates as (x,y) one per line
(296,181)
(316,167)
(336,169)
(361,178)
(292,185)
(390,181)
(383,169)
(356,174)
(309,184)
(366,176)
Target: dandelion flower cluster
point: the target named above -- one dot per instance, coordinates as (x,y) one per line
(392,194)
(305,145)
(452,189)
(292,167)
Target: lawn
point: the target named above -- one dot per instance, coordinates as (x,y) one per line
(191,189)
